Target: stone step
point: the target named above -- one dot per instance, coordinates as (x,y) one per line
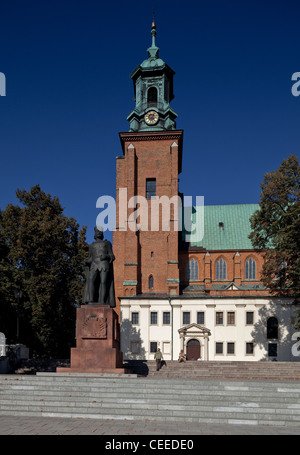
(182,384)
(249,366)
(188,399)
(217,414)
(206,419)
(289,371)
(143,394)
(58,395)
(74,381)
(159,410)
(148,402)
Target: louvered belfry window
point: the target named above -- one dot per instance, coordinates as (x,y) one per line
(152,96)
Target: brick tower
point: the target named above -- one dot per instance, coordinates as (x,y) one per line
(146,236)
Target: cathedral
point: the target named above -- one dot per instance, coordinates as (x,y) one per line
(177,288)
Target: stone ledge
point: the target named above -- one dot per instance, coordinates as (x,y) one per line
(93,370)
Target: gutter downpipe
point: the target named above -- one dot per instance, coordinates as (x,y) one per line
(171,327)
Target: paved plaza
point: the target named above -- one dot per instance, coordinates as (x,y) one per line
(12,425)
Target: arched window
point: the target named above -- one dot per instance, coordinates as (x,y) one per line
(272,328)
(152,96)
(193,270)
(221,270)
(150,282)
(250,269)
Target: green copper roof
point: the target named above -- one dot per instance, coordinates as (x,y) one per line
(221,227)
(153,53)
(153,91)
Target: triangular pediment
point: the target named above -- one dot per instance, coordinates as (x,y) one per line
(194,329)
(232,287)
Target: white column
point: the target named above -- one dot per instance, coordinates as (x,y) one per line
(210,324)
(125,323)
(177,342)
(206,355)
(144,328)
(240,348)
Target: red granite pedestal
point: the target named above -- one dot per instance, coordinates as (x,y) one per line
(97,342)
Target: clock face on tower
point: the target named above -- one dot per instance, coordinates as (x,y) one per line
(151,117)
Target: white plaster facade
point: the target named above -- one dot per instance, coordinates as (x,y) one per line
(237,332)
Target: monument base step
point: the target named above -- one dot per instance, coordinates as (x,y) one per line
(93,370)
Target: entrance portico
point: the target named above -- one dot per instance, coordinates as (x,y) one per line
(193,340)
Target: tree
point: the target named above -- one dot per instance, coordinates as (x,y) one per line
(276,229)
(42,253)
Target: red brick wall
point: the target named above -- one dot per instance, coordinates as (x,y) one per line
(144,253)
(235,265)
(147,155)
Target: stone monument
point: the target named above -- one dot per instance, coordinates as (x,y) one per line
(97,326)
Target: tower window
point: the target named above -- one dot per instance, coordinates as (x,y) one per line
(150,282)
(150,188)
(152,96)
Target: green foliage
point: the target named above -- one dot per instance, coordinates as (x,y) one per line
(42,253)
(276,228)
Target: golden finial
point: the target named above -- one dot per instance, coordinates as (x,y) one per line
(153,21)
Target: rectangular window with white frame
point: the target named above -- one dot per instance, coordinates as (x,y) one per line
(230,348)
(153,346)
(249,348)
(153,318)
(230,318)
(249,317)
(200,318)
(219,348)
(186,317)
(134,318)
(166,318)
(219,318)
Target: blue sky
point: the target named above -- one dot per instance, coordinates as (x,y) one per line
(67,66)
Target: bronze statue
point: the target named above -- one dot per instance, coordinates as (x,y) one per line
(99,287)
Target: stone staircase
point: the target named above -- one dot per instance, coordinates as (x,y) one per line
(130,397)
(287,371)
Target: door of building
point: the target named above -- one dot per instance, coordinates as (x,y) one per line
(193,350)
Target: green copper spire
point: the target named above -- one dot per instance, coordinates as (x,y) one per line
(153,50)
(153,90)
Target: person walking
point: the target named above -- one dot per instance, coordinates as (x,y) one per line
(158,357)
